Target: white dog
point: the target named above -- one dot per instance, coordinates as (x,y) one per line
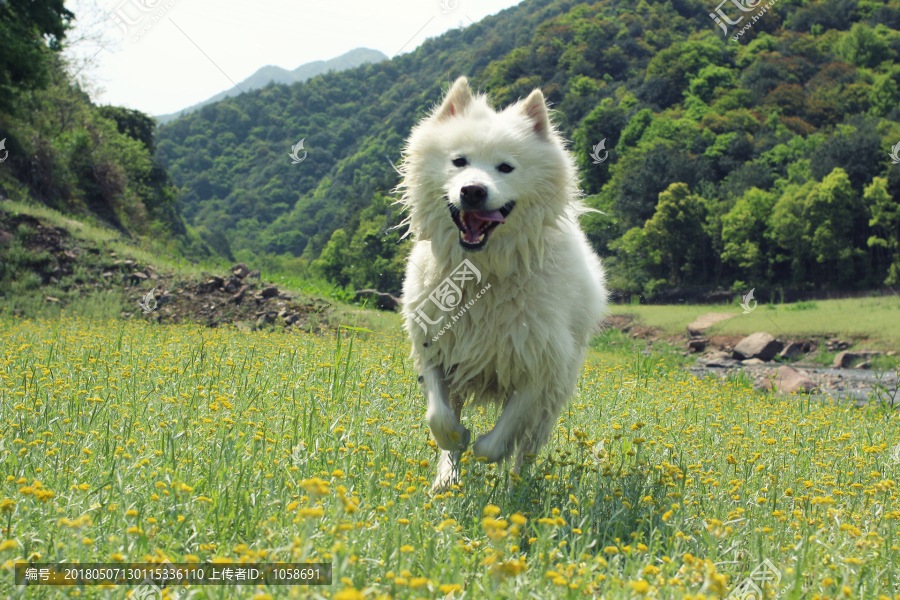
(503,292)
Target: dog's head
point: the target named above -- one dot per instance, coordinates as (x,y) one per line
(477,179)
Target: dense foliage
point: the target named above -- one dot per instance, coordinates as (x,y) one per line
(65,152)
(761,161)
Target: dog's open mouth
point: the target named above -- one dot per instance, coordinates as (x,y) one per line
(475,226)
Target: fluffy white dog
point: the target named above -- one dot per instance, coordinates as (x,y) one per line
(502,291)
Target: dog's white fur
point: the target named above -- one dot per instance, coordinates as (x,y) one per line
(522,344)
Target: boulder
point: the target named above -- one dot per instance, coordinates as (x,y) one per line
(788,381)
(254,274)
(760,345)
(836,345)
(791,350)
(381,300)
(719,359)
(704,322)
(210,285)
(232,284)
(240,270)
(753,361)
(239,295)
(698,344)
(844,359)
(269,292)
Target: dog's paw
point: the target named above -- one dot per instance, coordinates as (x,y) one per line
(489,447)
(443,484)
(447,473)
(455,440)
(449,434)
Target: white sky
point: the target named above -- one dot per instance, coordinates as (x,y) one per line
(199,47)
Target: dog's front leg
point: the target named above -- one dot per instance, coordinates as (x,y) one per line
(448,432)
(513,423)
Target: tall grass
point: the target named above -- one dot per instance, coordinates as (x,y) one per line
(133,442)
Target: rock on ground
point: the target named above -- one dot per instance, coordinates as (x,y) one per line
(760,345)
(381,300)
(704,322)
(788,381)
(844,359)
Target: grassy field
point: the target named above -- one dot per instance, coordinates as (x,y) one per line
(138,442)
(877,319)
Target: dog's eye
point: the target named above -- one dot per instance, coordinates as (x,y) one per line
(505,168)
(460,162)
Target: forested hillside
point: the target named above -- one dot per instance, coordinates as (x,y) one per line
(61,150)
(755,159)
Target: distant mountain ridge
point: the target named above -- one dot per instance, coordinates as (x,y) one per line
(264,75)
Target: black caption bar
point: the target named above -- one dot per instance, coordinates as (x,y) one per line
(168,574)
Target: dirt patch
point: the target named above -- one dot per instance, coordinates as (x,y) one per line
(79,268)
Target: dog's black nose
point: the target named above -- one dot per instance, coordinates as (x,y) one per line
(472,196)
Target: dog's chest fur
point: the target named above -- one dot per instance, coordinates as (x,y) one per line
(511,337)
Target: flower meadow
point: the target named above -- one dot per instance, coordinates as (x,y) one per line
(136,442)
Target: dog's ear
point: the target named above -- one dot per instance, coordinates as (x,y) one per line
(456,101)
(535,110)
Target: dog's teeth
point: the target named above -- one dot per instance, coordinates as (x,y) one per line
(480,238)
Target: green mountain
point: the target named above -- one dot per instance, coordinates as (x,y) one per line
(756,157)
(270,73)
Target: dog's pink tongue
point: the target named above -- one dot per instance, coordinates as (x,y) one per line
(493,216)
(475,223)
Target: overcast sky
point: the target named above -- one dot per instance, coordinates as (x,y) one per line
(198,48)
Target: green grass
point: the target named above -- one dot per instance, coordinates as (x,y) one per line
(144,251)
(877,319)
(84,293)
(133,442)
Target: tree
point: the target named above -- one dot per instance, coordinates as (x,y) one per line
(885,220)
(813,225)
(641,178)
(29,29)
(744,234)
(605,122)
(331,262)
(863,47)
(675,236)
